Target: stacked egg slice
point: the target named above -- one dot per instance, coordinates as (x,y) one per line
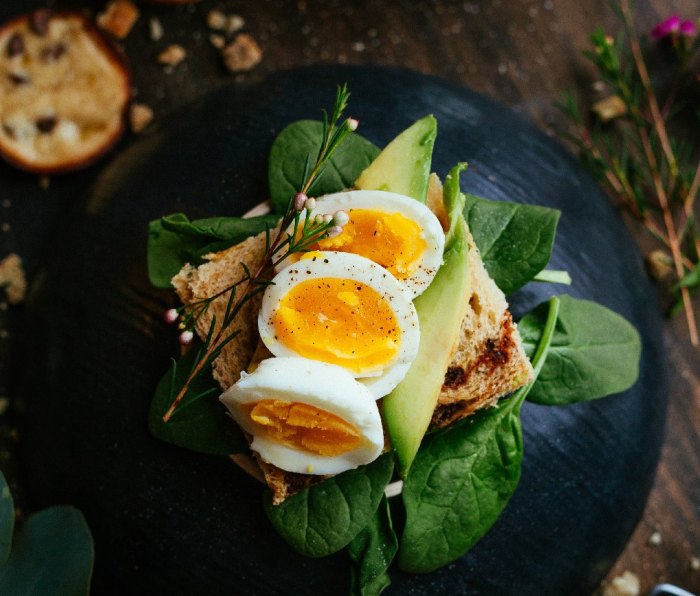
(340,321)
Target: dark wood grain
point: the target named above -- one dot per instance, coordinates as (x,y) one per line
(522,53)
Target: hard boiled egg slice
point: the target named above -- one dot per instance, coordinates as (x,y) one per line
(393,230)
(345,310)
(307,416)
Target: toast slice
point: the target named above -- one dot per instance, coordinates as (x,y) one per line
(488,362)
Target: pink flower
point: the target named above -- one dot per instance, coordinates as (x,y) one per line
(673,25)
(688,28)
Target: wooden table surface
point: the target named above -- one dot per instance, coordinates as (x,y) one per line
(523,53)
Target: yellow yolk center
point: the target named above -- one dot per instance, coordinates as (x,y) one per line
(339,321)
(389,239)
(305,427)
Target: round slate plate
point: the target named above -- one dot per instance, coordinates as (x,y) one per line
(166,520)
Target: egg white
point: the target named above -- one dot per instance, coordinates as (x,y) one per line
(390,202)
(348,266)
(324,386)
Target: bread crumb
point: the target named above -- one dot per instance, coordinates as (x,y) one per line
(44,182)
(655,539)
(118,18)
(609,108)
(155,29)
(172,55)
(12,278)
(242,54)
(140,116)
(695,564)
(4,405)
(218,41)
(660,264)
(626,584)
(218,21)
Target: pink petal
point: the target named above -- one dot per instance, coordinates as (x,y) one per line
(688,28)
(664,28)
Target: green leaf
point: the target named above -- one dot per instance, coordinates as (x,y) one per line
(301,141)
(53,554)
(174,240)
(515,240)
(371,552)
(460,482)
(324,518)
(595,352)
(200,423)
(690,280)
(7,519)
(464,476)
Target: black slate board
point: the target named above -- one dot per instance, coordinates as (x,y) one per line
(169,521)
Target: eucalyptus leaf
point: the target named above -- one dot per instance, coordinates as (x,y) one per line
(371,552)
(595,352)
(53,554)
(288,162)
(174,240)
(7,519)
(515,240)
(325,517)
(200,423)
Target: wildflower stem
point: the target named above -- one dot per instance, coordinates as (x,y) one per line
(277,249)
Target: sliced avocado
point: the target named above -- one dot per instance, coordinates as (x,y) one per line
(404,164)
(409,408)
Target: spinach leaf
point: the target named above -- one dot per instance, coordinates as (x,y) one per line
(7,519)
(595,352)
(515,240)
(174,240)
(53,554)
(324,518)
(301,141)
(372,551)
(459,484)
(200,423)
(463,477)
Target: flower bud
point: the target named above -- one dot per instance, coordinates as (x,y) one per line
(340,218)
(299,200)
(334,231)
(327,218)
(171,315)
(352,124)
(186,337)
(310,204)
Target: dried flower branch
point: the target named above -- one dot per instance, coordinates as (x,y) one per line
(297,232)
(639,144)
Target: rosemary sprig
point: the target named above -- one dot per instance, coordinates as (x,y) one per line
(304,231)
(638,146)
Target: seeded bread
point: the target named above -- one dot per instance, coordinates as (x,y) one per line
(64,90)
(488,362)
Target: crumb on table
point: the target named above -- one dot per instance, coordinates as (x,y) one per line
(118,18)
(12,278)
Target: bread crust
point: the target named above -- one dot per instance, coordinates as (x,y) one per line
(64,89)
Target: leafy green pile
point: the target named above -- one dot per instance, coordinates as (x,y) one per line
(463,476)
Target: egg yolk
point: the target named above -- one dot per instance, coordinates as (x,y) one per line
(302,426)
(389,239)
(338,321)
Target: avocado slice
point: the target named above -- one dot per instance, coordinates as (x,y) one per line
(404,164)
(408,409)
